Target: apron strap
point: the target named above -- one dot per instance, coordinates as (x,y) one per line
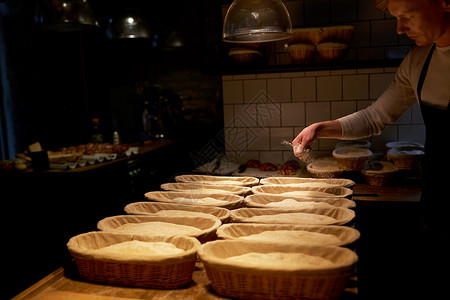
(423,73)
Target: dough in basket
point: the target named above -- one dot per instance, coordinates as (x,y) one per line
(295,236)
(140,248)
(158,228)
(199,201)
(307,194)
(292,203)
(301,218)
(280,260)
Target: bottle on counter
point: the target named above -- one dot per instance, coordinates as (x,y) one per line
(116,138)
(97,135)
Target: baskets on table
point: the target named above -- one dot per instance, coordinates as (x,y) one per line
(206,226)
(352,158)
(246,280)
(303,191)
(152,271)
(308,181)
(196,198)
(205,188)
(261,200)
(220,180)
(326,168)
(150,208)
(406,157)
(346,235)
(311,216)
(379,173)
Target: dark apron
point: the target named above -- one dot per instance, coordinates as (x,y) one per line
(435,199)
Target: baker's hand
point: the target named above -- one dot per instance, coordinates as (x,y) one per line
(302,143)
(327,129)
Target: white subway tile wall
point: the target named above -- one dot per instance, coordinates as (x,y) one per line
(262,109)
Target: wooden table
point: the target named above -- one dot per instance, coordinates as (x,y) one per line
(65,283)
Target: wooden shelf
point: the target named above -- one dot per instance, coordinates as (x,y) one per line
(338,65)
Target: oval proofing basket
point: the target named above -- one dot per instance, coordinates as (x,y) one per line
(206,188)
(194,198)
(346,235)
(210,179)
(246,281)
(339,216)
(165,272)
(309,181)
(207,225)
(151,208)
(262,200)
(303,191)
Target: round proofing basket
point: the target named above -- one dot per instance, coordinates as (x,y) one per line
(220,180)
(301,53)
(308,181)
(151,208)
(305,35)
(151,271)
(205,188)
(341,34)
(406,157)
(207,225)
(352,158)
(244,281)
(261,200)
(340,216)
(325,192)
(194,198)
(324,169)
(380,177)
(347,235)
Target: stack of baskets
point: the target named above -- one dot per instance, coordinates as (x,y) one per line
(319,44)
(225,231)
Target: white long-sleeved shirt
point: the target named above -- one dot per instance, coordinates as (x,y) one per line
(402,93)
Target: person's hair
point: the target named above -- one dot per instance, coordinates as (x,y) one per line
(382,5)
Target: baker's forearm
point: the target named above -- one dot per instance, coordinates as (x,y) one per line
(329,129)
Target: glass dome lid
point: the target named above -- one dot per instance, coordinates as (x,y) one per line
(256,21)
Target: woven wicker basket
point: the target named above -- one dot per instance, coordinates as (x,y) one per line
(406,157)
(165,272)
(342,33)
(326,168)
(382,176)
(305,35)
(151,208)
(220,180)
(207,225)
(352,158)
(301,53)
(347,235)
(232,201)
(261,200)
(329,192)
(341,216)
(205,188)
(246,281)
(305,181)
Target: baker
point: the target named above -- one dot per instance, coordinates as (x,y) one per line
(424,77)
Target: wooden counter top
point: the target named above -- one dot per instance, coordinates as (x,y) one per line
(144,149)
(65,283)
(408,192)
